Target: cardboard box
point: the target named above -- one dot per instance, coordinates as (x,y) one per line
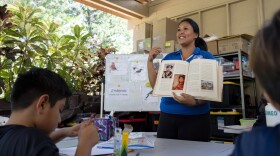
(144,45)
(234,43)
(169,46)
(141,32)
(140,45)
(164,30)
(213,47)
(148,44)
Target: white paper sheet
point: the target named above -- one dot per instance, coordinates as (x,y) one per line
(118,66)
(137,141)
(119,92)
(70,151)
(138,70)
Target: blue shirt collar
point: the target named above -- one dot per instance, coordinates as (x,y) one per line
(196,51)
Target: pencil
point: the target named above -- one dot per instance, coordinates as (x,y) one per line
(90,119)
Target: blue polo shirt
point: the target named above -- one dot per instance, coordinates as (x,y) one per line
(168,104)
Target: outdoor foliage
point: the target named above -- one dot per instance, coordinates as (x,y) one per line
(27,40)
(104,27)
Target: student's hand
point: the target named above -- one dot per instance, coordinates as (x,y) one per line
(72,131)
(59,134)
(185,99)
(88,134)
(88,137)
(153,53)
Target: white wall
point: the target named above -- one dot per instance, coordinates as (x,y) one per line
(220,17)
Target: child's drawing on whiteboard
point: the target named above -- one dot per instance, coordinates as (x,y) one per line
(147,95)
(113,66)
(138,71)
(117,67)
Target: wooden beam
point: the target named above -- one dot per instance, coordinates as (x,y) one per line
(261,13)
(142,1)
(111,8)
(228,19)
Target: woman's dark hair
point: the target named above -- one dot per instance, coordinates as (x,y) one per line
(199,42)
(183,76)
(31,85)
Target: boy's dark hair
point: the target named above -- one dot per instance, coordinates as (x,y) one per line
(265,57)
(199,42)
(31,85)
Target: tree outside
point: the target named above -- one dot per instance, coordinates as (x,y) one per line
(104,27)
(72,41)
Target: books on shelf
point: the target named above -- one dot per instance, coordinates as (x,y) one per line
(201,78)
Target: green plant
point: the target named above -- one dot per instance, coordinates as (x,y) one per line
(85,61)
(7,54)
(23,45)
(98,69)
(33,41)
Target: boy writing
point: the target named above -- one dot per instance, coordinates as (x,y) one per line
(38,96)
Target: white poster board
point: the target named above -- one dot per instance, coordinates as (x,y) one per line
(127,86)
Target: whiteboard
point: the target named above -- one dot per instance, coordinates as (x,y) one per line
(126,84)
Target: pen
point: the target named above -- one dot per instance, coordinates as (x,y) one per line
(105,147)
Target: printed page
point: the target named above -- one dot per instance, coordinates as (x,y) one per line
(171,78)
(220,85)
(203,78)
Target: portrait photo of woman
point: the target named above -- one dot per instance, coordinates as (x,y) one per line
(179,81)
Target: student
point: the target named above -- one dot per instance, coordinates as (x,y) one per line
(264,60)
(183,117)
(38,96)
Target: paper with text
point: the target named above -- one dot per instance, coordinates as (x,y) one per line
(118,92)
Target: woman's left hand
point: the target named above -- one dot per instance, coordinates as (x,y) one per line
(185,99)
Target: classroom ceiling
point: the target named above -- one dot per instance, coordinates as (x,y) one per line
(144,2)
(127,9)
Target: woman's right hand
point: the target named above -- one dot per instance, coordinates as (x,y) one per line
(153,53)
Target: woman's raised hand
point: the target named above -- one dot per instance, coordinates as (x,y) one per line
(153,53)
